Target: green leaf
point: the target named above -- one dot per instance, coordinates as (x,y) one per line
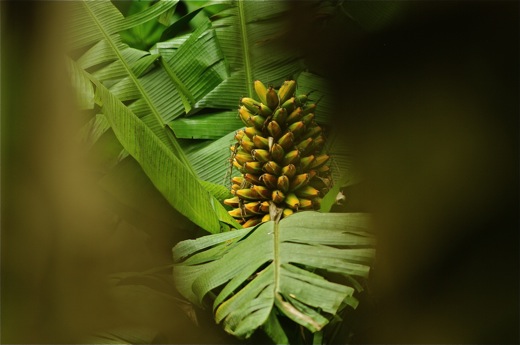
(211,162)
(249,33)
(179,25)
(83,87)
(319,91)
(284,271)
(207,126)
(146,34)
(196,68)
(143,134)
(83,31)
(169,175)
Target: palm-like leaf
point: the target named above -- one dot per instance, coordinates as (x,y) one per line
(249,33)
(140,127)
(257,274)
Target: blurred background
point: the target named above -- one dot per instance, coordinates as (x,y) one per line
(427,99)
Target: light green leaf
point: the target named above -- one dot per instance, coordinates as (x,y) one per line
(83,31)
(211,162)
(249,33)
(284,271)
(207,126)
(196,68)
(169,175)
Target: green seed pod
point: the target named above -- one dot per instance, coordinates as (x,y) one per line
(252,167)
(239,135)
(286,90)
(280,115)
(252,131)
(258,121)
(240,213)
(252,105)
(307,119)
(245,115)
(319,161)
(261,91)
(277,152)
(233,202)
(262,192)
(261,155)
(269,180)
(289,105)
(297,128)
(283,183)
(272,168)
(292,157)
(299,181)
(252,222)
(312,132)
(277,196)
(243,157)
(260,142)
(237,179)
(274,129)
(246,144)
(309,108)
(292,201)
(306,162)
(264,206)
(272,100)
(307,192)
(301,100)
(304,145)
(294,116)
(279,156)
(289,170)
(286,141)
(252,178)
(253,207)
(305,204)
(287,212)
(265,110)
(248,194)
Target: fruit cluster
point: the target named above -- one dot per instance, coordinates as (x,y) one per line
(278,154)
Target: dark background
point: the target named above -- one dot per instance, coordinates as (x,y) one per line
(428,101)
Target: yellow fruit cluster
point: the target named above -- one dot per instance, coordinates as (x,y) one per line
(279,156)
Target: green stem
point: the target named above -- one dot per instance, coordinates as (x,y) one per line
(245,45)
(177,150)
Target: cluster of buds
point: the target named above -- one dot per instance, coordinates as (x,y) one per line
(279,154)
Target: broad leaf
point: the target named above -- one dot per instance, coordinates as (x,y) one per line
(207,126)
(212,161)
(169,175)
(83,31)
(140,128)
(249,33)
(257,274)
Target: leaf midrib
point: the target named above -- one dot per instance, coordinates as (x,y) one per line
(278,300)
(177,149)
(245,48)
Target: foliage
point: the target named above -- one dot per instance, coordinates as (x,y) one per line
(282,274)
(161,85)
